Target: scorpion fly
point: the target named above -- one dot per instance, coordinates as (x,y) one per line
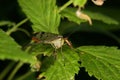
(57,41)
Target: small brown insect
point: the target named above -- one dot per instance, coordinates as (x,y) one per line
(98,2)
(57,41)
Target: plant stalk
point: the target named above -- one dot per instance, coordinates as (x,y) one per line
(18,66)
(15,70)
(14,28)
(6,70)
(24,76)
(65,5)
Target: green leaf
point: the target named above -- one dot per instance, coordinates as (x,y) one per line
(65,65)
(9,49)
(101,17)
(70,13)
(80,3)
(43,14)
(101,61)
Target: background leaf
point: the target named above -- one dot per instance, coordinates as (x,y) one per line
(80,3)
(100,61)
(9,49)
(104,18)
(70,13)
(64,67)
(43,14)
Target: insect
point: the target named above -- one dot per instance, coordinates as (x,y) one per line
(57,41)
(98,2)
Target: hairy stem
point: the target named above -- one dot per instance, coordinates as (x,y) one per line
(18,66)
(14,28)
(6,70)
(65,5)
(25,31)
(25,75)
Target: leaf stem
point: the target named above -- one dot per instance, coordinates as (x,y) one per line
(14,28)
(15,70)
(18,66)
(24,76)
(65,5)
(6,70)
(23,30)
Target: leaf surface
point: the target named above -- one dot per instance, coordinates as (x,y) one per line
(101,17)
(80,3)
(71,15)
(101,61)
(43,14)
(9,49)
(45,49)
(65,66)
